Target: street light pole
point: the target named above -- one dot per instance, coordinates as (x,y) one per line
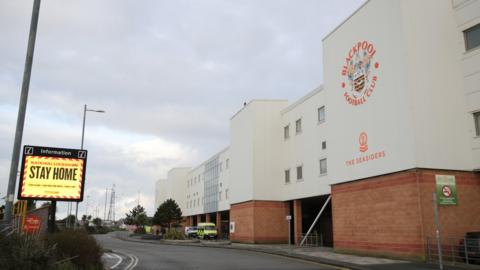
(85,110)
(21,114)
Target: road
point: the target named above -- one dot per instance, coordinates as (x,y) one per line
(142,256)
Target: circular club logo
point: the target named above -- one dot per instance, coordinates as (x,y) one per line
(447,191)
(363,140)
(359,73)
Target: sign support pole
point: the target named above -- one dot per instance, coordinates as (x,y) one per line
(21,114)
(51,216)
(437,231)
(289,236)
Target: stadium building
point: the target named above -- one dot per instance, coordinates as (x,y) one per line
(397,118)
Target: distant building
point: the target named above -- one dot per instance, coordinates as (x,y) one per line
(399,112)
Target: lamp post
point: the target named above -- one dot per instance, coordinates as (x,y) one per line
(21,115)
(85,110)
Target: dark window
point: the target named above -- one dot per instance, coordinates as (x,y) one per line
(472,37)
(298,126)
(324,145)
(287,176)
(476,118)
(299,173)
(286,132)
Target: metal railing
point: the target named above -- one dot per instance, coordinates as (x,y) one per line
(314,239)
(454,250)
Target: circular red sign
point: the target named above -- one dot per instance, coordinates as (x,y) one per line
(446,191)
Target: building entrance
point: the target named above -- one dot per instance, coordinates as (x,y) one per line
(322,232)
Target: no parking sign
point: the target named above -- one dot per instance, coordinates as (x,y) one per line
(446,189)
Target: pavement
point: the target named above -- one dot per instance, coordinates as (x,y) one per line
(319,255)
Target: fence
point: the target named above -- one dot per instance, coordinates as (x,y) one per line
(313,240)
(454,250)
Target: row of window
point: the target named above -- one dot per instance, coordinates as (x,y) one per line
(198,179)
(299,171)
(298,123)
(196,202)
(472,41)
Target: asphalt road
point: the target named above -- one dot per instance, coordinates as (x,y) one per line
(134,255)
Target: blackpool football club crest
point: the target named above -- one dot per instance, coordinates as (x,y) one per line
(359,73)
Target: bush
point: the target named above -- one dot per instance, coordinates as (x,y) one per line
(174,235)
(77,247)
(140,230)
(18,251)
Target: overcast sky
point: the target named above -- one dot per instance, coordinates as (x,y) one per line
(169,74)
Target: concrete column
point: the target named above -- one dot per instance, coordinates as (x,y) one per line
(218,222)
(199,219)
(297,221)
(207,217)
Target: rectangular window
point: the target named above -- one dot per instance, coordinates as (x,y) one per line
(286,132)
(227,163)
(287,176)
(321,114)
(324,145)
(220,195)
(298,126)
(472,37)
(221,166)
(323,166)
(476,118)
(226,194)
(299,173)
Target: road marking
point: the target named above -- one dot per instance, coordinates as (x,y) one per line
(136,262)
(118,262)
(133,262)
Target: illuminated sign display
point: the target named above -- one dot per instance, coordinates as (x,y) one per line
(52,174)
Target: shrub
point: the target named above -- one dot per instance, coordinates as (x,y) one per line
(18,251)
(174,235)
(77,247)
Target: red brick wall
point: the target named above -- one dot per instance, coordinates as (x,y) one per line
(260,222)
(392,214)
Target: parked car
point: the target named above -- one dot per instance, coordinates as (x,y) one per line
(192,232)
(472,246)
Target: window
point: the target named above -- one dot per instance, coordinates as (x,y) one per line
(286,132)
(321,114)
(476,118)
(472,37)
(324,145)
(227,163)
(323,166)
(298,126)
(220,166)
(226,194)
(299,173)
(220,195)
(287,176)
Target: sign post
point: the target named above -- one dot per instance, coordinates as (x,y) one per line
(52,174)
(437,231)
(289,219)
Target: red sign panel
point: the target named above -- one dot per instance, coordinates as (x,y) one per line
(32,224)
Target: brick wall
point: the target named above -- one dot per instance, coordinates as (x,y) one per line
(260,222)
(392,214)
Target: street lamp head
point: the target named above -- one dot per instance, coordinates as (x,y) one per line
(98,111)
